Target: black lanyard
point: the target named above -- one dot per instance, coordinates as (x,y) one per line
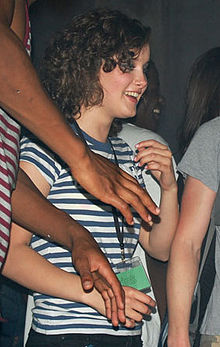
(119,231)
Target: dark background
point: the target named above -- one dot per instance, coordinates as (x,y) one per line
(181,31)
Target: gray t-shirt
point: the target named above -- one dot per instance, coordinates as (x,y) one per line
(202,161)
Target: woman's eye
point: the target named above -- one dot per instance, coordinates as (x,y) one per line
(126,67)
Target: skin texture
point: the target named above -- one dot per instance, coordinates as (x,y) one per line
(197,204)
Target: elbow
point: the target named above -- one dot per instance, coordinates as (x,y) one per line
(161,256)
(164,258)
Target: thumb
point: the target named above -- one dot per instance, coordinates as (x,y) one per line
(82,267)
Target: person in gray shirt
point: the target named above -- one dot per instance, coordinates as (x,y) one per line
(201,168)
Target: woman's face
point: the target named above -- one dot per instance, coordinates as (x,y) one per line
(123,90)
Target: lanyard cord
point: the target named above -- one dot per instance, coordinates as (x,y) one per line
(119,231)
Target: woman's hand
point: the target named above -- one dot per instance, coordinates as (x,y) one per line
(157,158)
(137,304)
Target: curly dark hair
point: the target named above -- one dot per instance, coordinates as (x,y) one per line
(72,62)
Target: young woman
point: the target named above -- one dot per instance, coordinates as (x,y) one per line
(95,71)
(201,166)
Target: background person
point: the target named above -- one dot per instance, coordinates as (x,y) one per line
(201,166)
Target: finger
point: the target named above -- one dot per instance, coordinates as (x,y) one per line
(122,205)
(139,199)
(111,306)
(87,281)
(155,152)
(149,301)
(121,316)
(102,287)
(117,296)
(142,297)
(149,143)
(134,190)
(108,306)
(122,192)
(141,307)
(150,153)
(113,283)
(133,314)
(108,296)
(114,312)
(129,323)
(82,266)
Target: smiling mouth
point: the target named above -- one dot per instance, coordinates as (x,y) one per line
(133,95)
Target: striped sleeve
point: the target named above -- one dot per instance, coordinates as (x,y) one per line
(41,158)
(128,164)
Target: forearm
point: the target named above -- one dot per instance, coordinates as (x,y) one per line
(47,278)
(52,281)
(196,207)
(161,236)
(181,281)
(162,233)
(22,95)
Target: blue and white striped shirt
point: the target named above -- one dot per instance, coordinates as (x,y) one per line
(58,316)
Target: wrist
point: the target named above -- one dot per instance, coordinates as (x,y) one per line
(79,237)
(80,159)
(178,338)
(178,342)
(94,300)
(172,189)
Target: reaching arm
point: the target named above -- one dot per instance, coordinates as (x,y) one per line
(157,158)
(196,207)
(22,95)
(50,280)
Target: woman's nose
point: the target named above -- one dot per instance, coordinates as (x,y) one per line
(141,80)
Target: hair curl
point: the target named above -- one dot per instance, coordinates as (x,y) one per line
(72,62)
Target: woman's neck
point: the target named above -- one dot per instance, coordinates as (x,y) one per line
(93,122)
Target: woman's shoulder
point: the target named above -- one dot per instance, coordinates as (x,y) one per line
(211,127)
(202,158)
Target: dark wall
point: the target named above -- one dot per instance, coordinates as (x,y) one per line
(49,16)
(181,30)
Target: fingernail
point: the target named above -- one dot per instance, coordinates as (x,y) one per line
(87,283)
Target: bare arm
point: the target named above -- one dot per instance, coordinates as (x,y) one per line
(50,280)
(197,204)
(22,95)
(157,158)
